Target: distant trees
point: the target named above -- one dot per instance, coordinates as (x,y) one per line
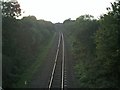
(82,33)
(96,48)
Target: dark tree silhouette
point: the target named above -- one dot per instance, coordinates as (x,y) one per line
(11,9)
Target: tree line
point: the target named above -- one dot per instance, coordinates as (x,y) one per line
(95,43)
(96,48)
(22,41)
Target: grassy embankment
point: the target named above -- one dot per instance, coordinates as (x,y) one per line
(34,67)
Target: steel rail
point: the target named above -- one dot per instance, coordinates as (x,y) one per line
(62,86)
(56,57)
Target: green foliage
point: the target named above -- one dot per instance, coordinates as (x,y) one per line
(96,45)
(23,40)
(96,48)
(82,32)
(84,49)
(11,9)
(108,46)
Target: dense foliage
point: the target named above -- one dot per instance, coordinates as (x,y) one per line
(108,47)
(96,48)
(22,41)
(82,36)
(96,45)
(11,9)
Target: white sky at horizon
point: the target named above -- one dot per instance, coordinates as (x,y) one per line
(60,10)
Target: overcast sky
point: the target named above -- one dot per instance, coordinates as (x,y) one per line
(59,10)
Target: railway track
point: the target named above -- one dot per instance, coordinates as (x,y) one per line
(57,75)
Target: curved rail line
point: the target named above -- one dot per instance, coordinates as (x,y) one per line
(61,40)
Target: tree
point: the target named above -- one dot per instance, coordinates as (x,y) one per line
(23,40)
(11,9)
(108,47)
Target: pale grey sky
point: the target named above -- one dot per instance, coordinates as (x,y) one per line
(59,10)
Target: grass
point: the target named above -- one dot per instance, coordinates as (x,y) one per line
(27,76)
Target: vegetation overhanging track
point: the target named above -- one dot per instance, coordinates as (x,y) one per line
(60,42)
